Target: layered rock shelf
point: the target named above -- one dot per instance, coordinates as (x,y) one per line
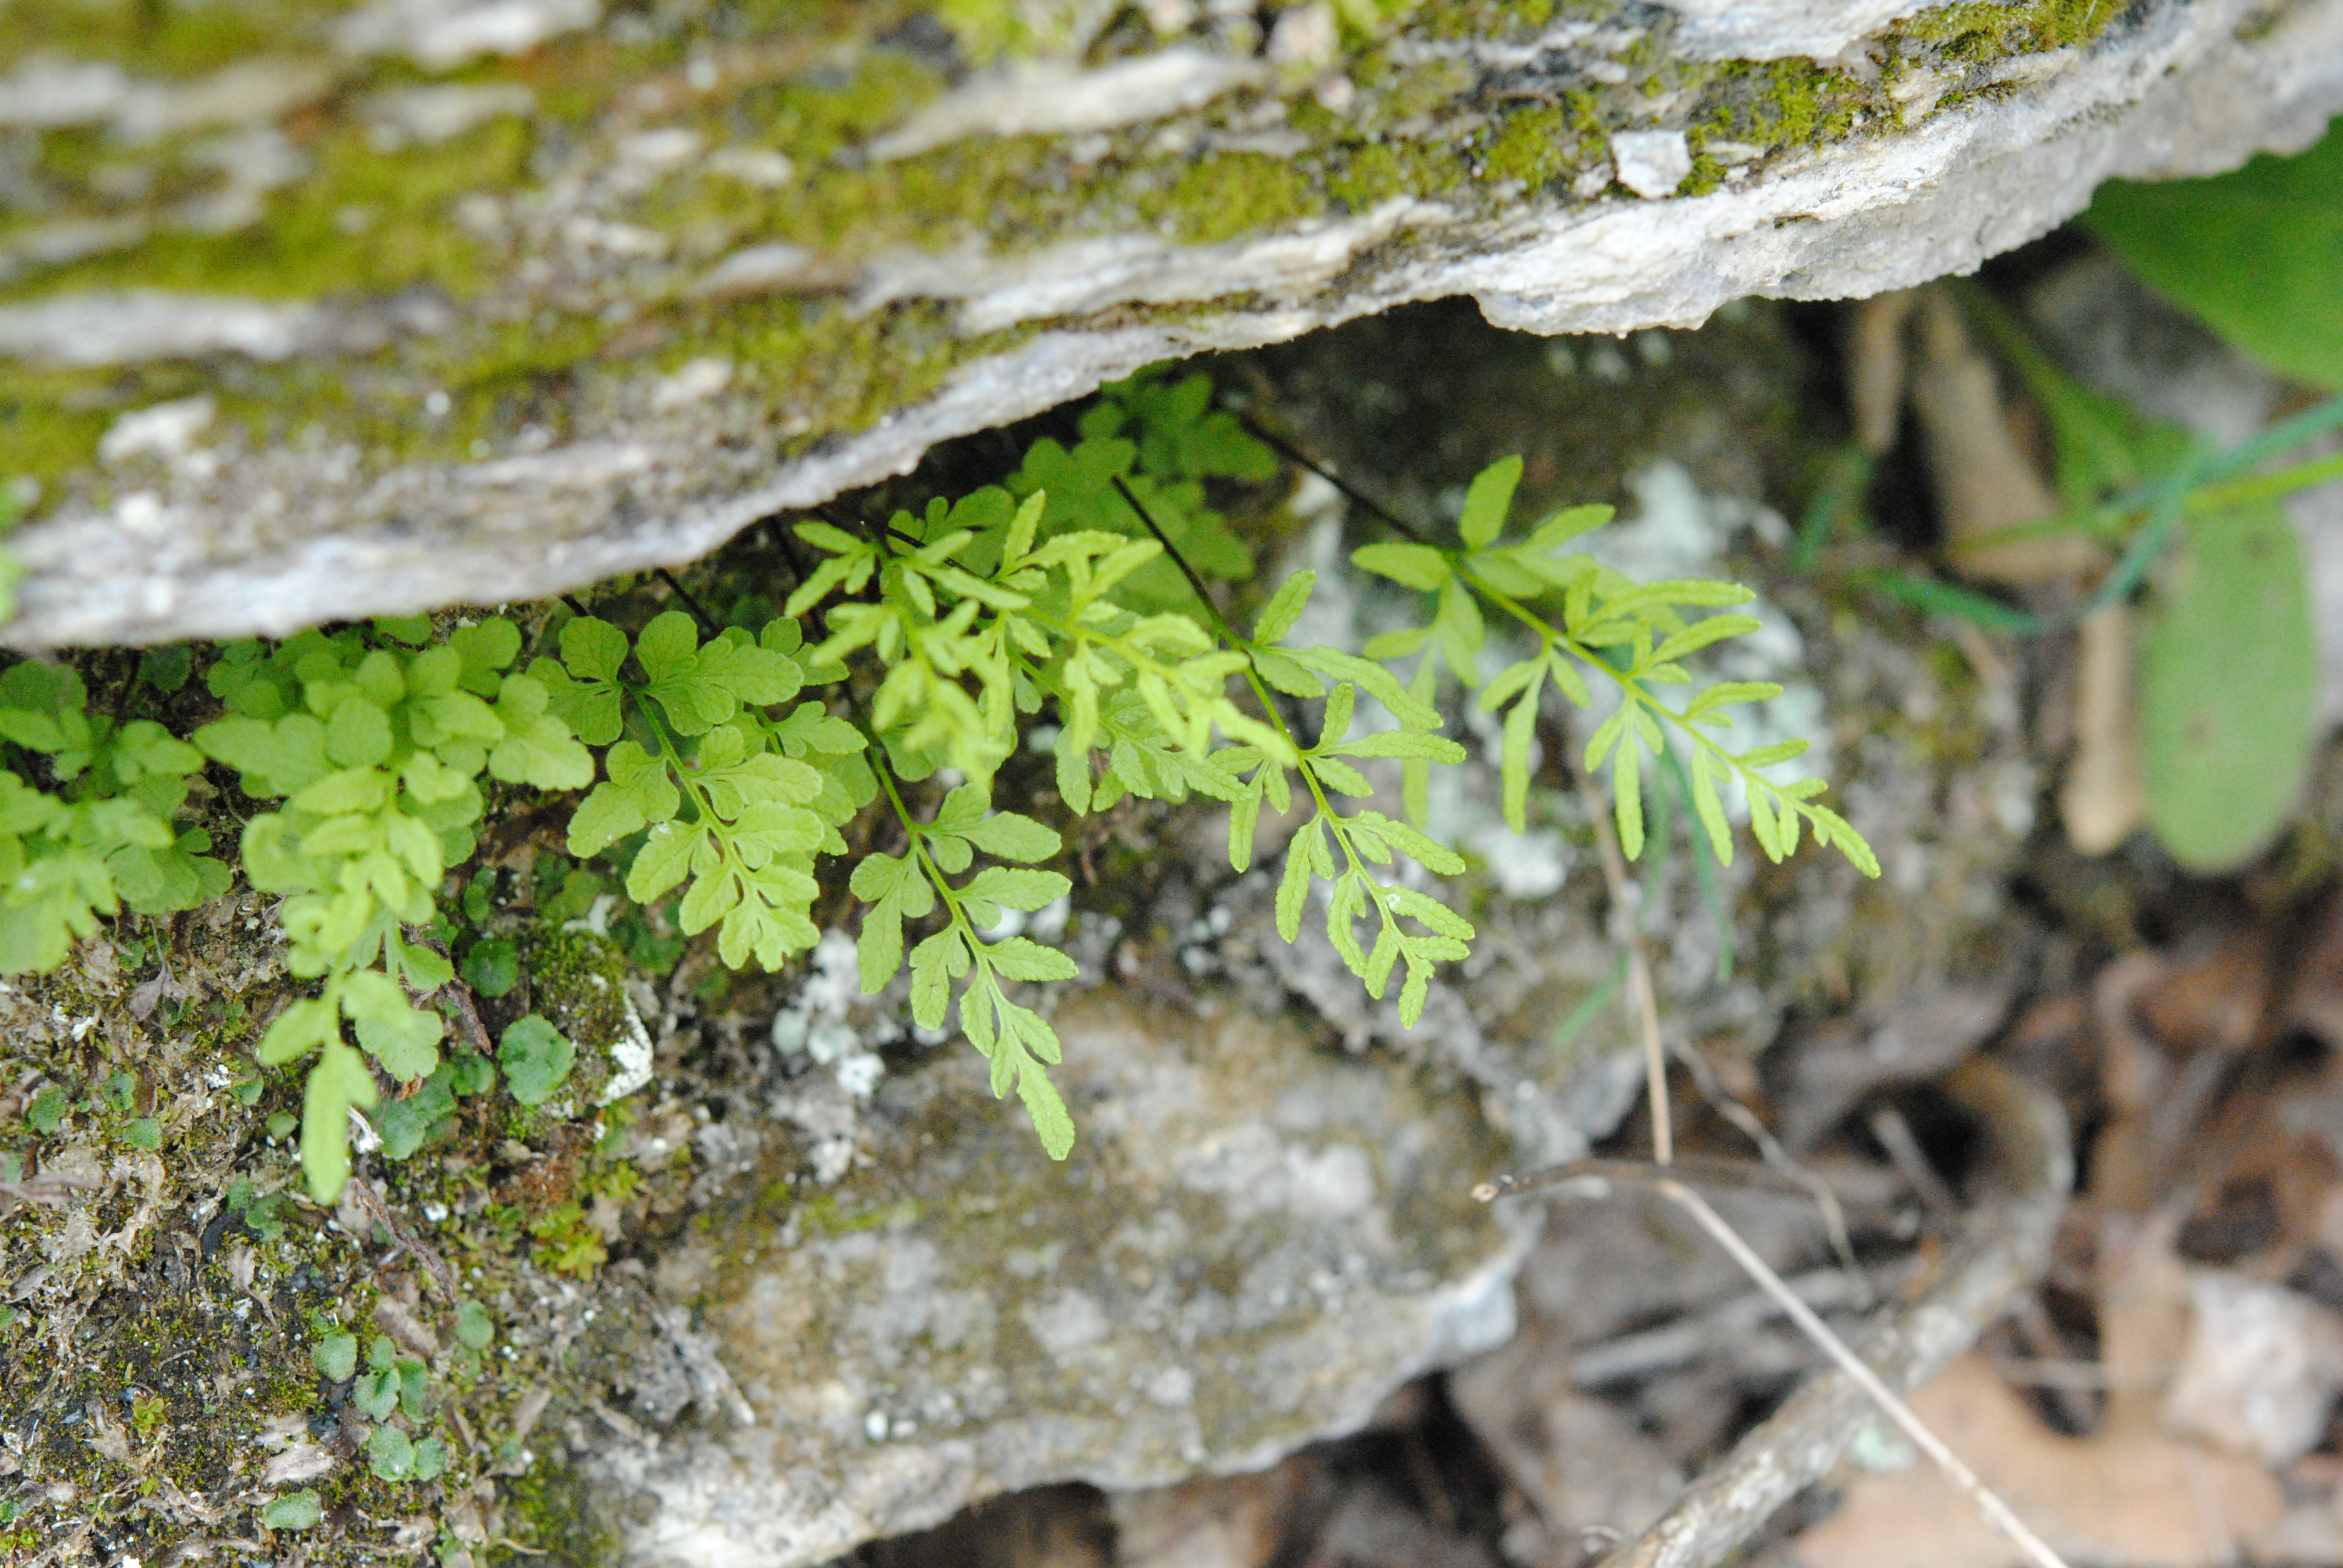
(311,313)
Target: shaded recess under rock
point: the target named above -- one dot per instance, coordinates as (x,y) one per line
(827,1319)
(1264,1227)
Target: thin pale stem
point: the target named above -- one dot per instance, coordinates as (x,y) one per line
(1640,996)
(1988,1501)
(1770,1149)
(917,833)
(1656,1066)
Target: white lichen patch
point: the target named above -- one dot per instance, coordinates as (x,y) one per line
(817,1021)
(132,326)
(439,34)
(630,1056)
(1056,98)
(1652,164)
(163,430)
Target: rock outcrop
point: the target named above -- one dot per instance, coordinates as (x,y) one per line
(1255,1241)
(318,314)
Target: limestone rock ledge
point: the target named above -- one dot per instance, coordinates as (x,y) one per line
(1254,1242)
(292,328)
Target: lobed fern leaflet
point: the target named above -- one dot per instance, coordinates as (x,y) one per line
(1632,634)
(712,789)
(720,766)
(106,837)
(1019,1042)
(375,744)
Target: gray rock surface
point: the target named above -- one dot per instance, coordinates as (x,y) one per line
(1264,1227)
(628,450)
(1255,1240)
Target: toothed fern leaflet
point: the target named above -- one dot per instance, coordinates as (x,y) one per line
(728,768)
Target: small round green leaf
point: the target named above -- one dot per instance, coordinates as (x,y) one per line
(535,1057)
(473,1075)
(391,1454)
(431,1459)
(492,968)
(2228,688)
(337,1356)
(357,735)
(377,1394)
(294,1511)
(474,1328)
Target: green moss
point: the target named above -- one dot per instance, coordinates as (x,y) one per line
(816,118)
(928,203)
(1536,147)
(1989,30)
(1224,195)
(574,979)
(50,421)
(171,38)
(1381,170)
(551,1512)
(839,370)
(363,222)
(823,1217)
(1421,89)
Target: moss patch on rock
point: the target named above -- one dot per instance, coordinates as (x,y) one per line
(487,281)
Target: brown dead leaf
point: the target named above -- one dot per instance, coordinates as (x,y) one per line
(2143,1321)
(304,1460)
(2104,795)
(1213,1521)
(1579,1458)
(1875,367)
(398,1320)
(2261,1368)
(2209,997)
(2134,1494)
(2141,1502)
(2316,1002)
(106,1434)
(1370,1528)
(1984,481)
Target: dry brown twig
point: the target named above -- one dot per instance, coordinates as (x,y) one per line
(1804,1438)
(370,1202)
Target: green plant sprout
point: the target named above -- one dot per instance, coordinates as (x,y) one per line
(376,743)
(107,837)
(2227,684)
(1630,634)
(730,762)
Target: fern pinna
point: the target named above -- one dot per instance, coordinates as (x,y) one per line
(726,767)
